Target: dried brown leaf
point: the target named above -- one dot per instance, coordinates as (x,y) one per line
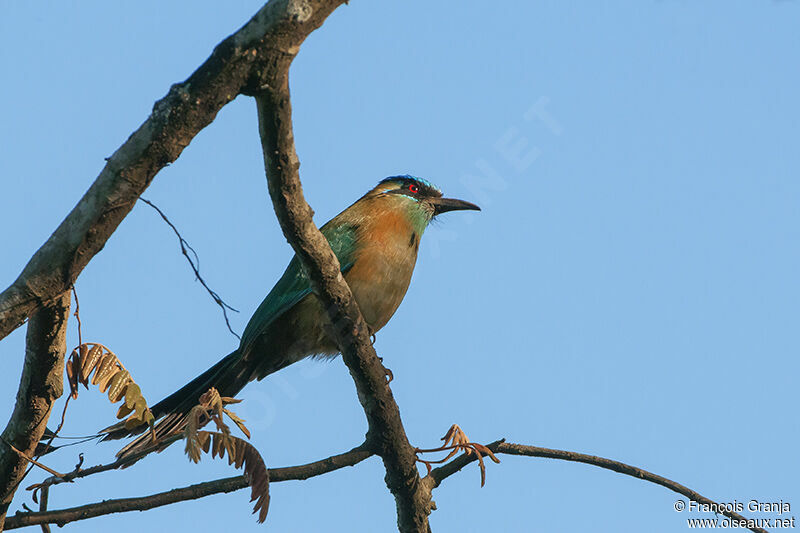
(258,477)
(107,368)
(238,421)
(485,450)
(133,395)
(227,400)
(449,435)
(456,441)
(204,440)
(240,454)
(72,378)
(230,448)
(218,448)
(124,411)
(483,470)
(89,358)
(118,385)
(105,364)
(109,376)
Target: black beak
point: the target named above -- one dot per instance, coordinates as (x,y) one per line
(443,205)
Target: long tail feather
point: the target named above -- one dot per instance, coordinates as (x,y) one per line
(228,376)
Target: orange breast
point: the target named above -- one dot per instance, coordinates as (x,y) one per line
(385,260)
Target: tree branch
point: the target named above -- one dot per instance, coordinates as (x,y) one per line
(386,433)
(330,464)
(437,475)
(193,492)
(41,384)
(276,30)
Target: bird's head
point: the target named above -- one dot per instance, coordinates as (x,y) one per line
(422,198)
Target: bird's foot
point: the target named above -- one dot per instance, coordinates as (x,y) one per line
(371,334)
(455,440)
(389,375)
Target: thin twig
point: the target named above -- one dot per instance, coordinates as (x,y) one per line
(77,315)
(195,264)
(43,499)
(30,459)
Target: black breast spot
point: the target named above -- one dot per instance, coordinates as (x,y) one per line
(414,241)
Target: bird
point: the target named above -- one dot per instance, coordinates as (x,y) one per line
(376,241)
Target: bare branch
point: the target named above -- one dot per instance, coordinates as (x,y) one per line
(41,384)
(275,31)
(435,478)
(44,498)
(193,492)
(386,433)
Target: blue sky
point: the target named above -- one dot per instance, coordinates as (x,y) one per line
(629,290)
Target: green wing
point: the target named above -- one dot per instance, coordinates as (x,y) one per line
(293,285)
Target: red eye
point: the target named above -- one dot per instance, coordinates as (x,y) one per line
(413,188)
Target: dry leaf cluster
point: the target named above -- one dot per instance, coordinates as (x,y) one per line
(456,441)
(211,408)
(111,375)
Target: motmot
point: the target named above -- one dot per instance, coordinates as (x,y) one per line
(376,241)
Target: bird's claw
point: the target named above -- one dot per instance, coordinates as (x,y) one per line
(386,371)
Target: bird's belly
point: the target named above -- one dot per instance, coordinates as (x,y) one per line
(296,334)
(379,280)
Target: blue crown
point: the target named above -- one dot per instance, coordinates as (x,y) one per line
(422,182)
